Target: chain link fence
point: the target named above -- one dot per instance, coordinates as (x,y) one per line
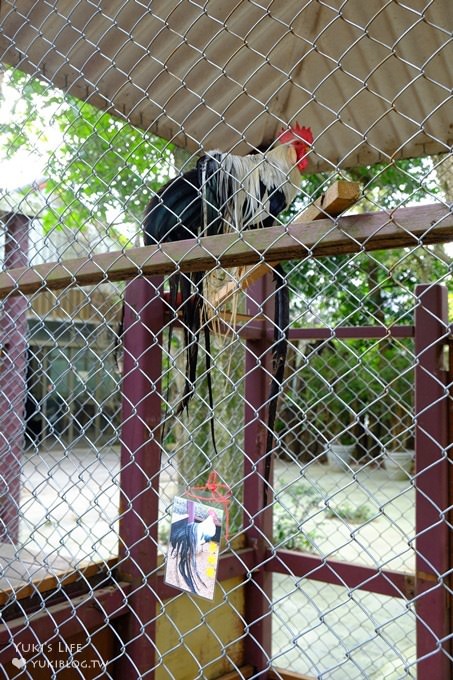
(142,330)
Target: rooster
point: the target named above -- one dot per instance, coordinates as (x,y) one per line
(228,193)
(187,538)
(206,530)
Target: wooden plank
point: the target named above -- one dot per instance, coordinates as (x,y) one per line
(195,631)
(282,674)
(338,197)
(82,613)
(351,332)
(245,279)
(140,464)
(243,672)
(26,575)
(243,318)
(405,227)
(432,493)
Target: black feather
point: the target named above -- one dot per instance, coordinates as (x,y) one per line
(174,212)
(279,352)
(277,203)
(183,541)
(211,212)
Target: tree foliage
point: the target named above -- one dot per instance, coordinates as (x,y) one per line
(98,169)
(369,287)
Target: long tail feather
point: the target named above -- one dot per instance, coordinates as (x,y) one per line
(194,316)
(191,313)
(279,352)
(207,342)
(184,549)
(174,289)
(119,336)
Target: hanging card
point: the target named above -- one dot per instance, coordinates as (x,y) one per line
(193,551)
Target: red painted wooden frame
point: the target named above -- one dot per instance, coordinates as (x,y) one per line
(13,377)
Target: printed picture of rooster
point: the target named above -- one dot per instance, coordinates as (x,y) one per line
(194,547)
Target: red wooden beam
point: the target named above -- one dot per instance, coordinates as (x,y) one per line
(349,575)
(405,227)
(253,330)
(292,563)
(352,332)
(88,612)
(257,522)
(13,379)
(433,459)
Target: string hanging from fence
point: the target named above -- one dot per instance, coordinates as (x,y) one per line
(214,491)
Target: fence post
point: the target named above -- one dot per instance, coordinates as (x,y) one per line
(13,387)
(258,523)
(140,468)
(431,482)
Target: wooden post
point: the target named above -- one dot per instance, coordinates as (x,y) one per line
(13,383)
(140,469)
(433,563)
(257,522)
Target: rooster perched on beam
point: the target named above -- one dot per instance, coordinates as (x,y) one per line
(228,193)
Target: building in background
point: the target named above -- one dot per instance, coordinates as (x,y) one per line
(72,376)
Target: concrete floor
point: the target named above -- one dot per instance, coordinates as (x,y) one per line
(384,540)
(69,512)
(328,631)
(70,500)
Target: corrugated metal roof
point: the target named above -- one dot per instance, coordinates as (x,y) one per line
(372,79)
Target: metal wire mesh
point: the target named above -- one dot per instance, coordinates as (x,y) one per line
(342,570)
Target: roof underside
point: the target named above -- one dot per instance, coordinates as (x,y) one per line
(372,79)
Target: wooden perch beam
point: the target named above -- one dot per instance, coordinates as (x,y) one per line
(406,227)
(338,197)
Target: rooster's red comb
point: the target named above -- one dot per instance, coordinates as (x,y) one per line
(296,133)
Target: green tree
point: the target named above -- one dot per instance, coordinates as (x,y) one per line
(99,170)
(370,287)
